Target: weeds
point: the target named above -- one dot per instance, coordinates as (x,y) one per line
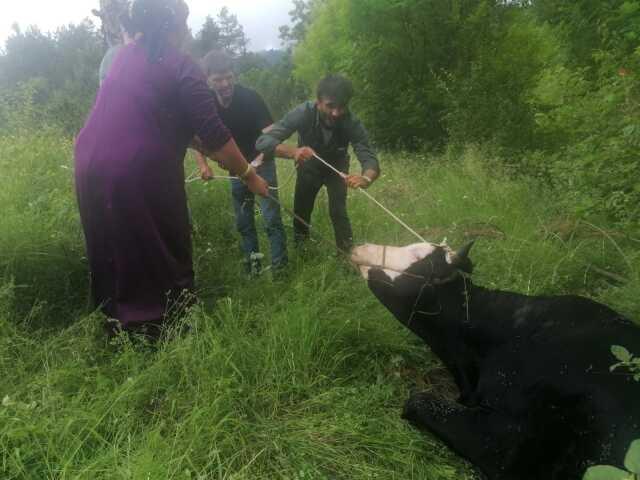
(297,379)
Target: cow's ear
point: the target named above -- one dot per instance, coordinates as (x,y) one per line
(460,259)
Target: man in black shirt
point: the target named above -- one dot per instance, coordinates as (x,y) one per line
(246,115)
(325,129)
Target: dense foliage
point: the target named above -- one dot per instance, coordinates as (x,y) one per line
(550,86)
(56,73)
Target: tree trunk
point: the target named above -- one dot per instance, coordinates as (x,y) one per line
(109,14)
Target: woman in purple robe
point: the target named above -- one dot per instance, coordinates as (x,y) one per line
(130,175)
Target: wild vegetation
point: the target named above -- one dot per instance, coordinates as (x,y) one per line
(515,123)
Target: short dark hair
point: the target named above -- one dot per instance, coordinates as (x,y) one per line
(217,61)
(336,87)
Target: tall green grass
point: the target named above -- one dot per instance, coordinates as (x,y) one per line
(302,378)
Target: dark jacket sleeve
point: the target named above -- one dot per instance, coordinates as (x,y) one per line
(281,130)
(199,103)
(359,139)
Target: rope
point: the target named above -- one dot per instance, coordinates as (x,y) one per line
(345,255)
(195,176)
(308,225)
(370,197)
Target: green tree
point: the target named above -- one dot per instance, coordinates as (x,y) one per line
(272,76)
(396,52)
(225,32)
(207,38)
(300,17)
(232,37)
(589,26)
(60,70)
(27,54)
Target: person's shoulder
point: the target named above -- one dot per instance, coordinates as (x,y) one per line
(303,108)
(247,94)
(183,62)
(246,91)
(352,121)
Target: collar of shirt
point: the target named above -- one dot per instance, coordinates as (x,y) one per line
(327,133)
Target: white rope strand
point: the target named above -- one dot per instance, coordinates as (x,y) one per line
(343,175)
(193,177)
(196,178)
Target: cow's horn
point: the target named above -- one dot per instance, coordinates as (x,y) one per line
(462,253)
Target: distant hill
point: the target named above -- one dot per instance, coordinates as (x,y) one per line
(264,59)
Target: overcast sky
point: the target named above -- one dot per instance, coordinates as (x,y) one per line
(260,18)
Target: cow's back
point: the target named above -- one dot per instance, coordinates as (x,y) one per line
(553,376)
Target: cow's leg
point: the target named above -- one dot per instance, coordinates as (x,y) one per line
(483,437)
(465,374)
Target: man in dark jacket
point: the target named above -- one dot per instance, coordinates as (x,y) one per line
(325,129)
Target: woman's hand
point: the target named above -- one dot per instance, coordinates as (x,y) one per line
(206,173)
(205,170)
(233,161)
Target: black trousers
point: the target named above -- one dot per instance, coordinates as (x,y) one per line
(312,176)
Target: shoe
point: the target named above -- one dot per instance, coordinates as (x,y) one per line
(253,265)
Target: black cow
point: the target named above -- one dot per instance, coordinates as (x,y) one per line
(537,399)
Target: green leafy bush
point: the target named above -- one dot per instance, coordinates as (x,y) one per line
(632,458)
(626,360)
(606,472)
(592,132)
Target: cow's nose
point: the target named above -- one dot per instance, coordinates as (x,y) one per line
(354,253)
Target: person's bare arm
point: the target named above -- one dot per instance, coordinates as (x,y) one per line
(282,150)
(232,160)
(362,181)
(205,170)
(366,156)
(273,137)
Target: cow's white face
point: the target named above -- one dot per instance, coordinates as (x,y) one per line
(394,260)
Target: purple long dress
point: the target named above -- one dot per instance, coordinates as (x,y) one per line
(130,181)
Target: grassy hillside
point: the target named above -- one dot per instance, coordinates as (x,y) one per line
(296,379)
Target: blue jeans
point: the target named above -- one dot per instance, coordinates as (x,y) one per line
(243,204)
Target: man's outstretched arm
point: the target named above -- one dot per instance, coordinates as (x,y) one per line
(365,154)
(272,138)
